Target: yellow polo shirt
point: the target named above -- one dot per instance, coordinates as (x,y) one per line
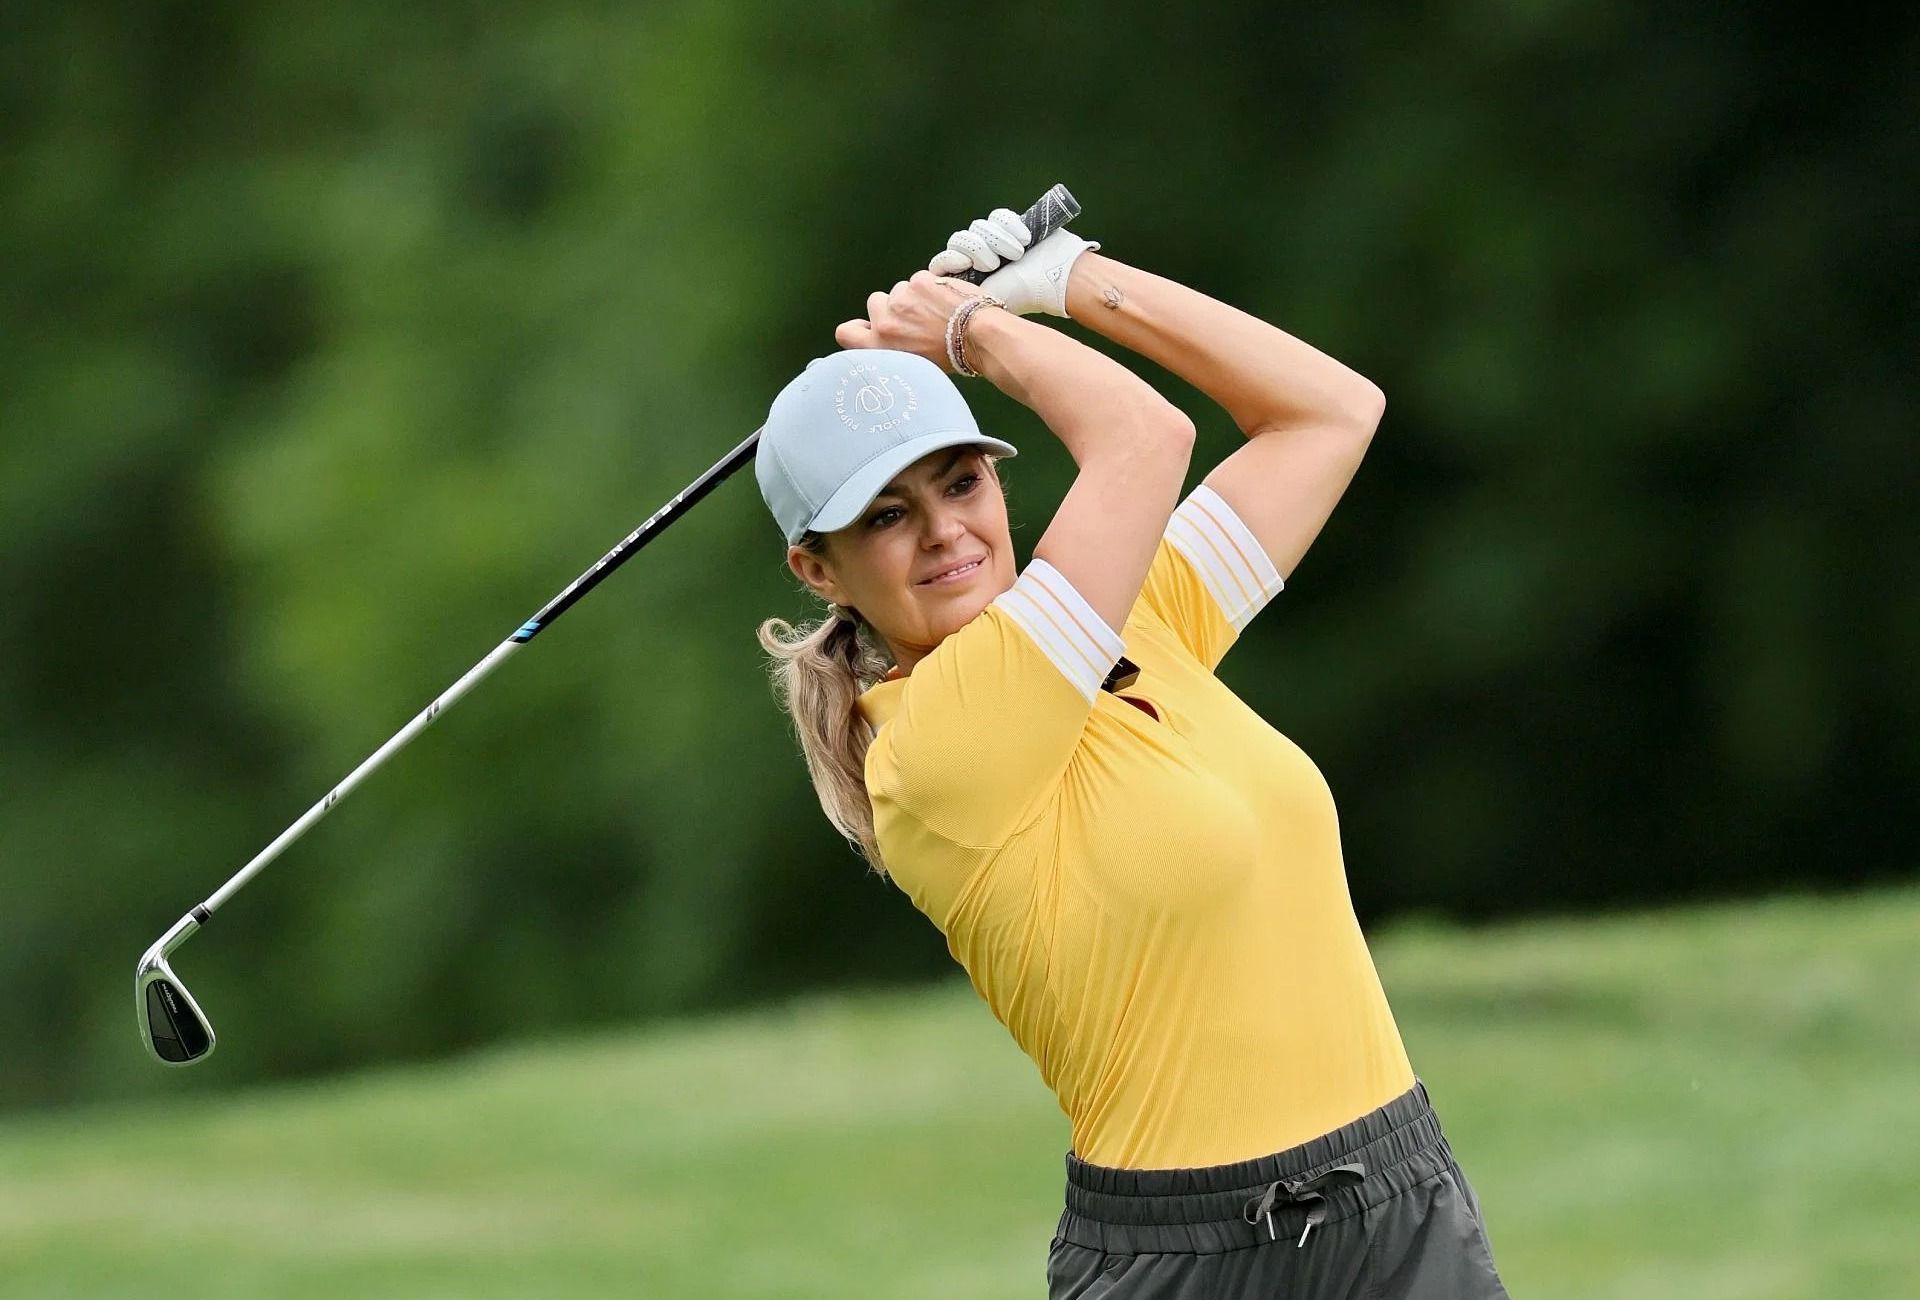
(1156,908)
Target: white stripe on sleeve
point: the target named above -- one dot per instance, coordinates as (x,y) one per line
(1231,562)
(1047,608)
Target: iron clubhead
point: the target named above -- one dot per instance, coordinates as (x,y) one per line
(176,1031)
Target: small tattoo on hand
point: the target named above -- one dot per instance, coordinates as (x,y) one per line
(1112,296)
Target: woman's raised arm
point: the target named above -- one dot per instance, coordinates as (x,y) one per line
(1308,417)
(1131,446)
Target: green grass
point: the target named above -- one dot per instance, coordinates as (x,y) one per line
(1704,1103)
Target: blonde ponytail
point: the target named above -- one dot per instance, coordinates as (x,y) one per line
(819,671)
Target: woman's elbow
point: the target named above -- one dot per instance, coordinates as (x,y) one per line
(1164,428)
(1366,407)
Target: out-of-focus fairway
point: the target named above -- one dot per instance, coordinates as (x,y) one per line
(1701,1103)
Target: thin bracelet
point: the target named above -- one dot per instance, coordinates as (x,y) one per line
(957,332)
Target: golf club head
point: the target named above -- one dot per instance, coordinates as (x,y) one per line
(175,1029)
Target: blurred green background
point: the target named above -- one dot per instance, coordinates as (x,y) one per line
(338,338)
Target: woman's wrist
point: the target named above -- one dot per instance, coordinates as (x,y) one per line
(959,327)
(1092,296)
(991,331)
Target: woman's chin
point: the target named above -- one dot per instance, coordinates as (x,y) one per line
(953,611)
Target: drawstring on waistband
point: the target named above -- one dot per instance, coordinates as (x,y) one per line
(1214,1208)
(1299,1191)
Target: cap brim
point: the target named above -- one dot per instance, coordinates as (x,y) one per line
(844,506)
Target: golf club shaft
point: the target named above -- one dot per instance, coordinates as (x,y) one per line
(550,613)
(1054,209)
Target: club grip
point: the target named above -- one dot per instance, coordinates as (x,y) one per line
(1054,209)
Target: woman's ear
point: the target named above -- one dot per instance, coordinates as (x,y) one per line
(812,569)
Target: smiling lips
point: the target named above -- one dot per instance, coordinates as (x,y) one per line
(958,573)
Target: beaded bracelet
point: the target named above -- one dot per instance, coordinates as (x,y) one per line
(957,332)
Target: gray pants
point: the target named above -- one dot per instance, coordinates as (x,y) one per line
(1375,1210)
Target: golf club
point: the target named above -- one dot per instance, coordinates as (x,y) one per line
(176,1030)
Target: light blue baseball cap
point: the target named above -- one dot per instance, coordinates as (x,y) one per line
(849,422)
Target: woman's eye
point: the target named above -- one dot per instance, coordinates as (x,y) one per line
(959,487)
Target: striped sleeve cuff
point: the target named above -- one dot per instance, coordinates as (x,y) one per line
(1224,551)
(1059,620)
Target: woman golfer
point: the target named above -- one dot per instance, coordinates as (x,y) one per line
(1141,877)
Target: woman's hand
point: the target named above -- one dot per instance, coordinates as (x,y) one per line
(1027,280)
(912,318)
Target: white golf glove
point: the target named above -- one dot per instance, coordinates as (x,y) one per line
(1026,279)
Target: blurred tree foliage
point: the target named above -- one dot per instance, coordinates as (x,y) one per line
(339,337)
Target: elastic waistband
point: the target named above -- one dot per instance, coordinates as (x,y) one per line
(1204,1210)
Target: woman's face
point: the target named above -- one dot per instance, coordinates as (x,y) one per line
(944,510)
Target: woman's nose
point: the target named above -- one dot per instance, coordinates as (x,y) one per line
(944,525)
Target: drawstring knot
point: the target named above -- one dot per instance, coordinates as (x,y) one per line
(1299,1191)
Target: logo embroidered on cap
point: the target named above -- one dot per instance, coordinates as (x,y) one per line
(874,399)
